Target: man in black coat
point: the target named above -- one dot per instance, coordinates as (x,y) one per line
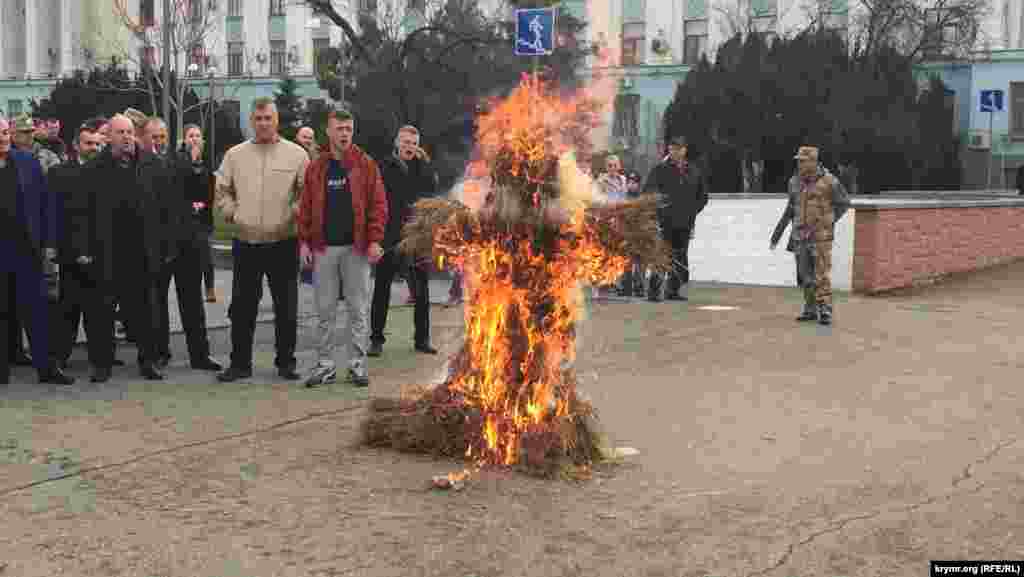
(408,176)
(684,191)
(75,283)
(30,226)
(180,242)
(125,243)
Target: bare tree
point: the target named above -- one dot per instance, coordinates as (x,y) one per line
(919,29)
(190,32)
(738,17)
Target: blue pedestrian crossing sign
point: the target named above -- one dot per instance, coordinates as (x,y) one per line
(535,31)
(991,100)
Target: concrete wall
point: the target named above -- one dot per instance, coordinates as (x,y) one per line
(730,244)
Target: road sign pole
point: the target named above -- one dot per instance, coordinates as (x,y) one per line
(991,143)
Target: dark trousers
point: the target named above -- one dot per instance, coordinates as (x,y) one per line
(206,263)
(68,313)
(85,297)
(187,274)
(138,299)
(24,291)
(679,240)
(279,261)
(386,269)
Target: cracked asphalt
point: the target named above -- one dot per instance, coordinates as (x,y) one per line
(765,448)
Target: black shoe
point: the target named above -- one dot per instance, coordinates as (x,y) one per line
(376,349)
(676,297)
(206,364)
(824,315)
(809,313)
(288,373)
(118,363)
(162,361)
(426,349)
(233,374)
(55,376)
(100,375)
(357,379)
(150,372)
(654,298)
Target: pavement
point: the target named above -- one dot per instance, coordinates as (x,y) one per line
(764,448)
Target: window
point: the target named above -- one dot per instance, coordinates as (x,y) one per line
(13,108)
(695,42)
(236,58)
(278,58)
(368,6)
(1017,110)
(942,33)
(277,7)
(196,11)
(633,43)
(235,8)
(147,12)
(319,46)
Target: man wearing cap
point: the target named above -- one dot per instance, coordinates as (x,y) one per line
(817,200)
(29,229)
(685,195)
(25,140)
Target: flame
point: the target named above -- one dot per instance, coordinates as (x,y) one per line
(523,295)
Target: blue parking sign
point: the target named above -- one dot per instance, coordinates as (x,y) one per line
(991,101)
(535,31)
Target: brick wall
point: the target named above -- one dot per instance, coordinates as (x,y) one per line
(900,246)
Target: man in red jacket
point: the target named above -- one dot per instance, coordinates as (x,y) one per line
(342,216)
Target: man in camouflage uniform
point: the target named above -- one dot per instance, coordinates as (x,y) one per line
(25,140)
(817,200)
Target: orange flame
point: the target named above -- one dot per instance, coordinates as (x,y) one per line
(524,299)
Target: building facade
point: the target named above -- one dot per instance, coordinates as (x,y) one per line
(244,45)
(653,44)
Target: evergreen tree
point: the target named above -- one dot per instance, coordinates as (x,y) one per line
(290,108)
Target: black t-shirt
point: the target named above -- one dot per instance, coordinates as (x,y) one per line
(339,218)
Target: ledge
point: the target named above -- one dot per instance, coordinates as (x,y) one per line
(958,201)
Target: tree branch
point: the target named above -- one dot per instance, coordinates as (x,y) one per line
(325,8)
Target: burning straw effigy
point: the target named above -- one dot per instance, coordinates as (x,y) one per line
(510,396)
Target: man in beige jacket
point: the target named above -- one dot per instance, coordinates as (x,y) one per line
(258,189)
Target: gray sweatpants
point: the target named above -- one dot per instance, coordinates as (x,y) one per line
(342,264)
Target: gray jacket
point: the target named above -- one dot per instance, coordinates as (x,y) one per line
(840,204)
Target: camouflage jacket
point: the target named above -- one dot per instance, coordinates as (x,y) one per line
(46,157)
(814,211)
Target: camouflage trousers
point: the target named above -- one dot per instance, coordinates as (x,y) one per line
(814,270)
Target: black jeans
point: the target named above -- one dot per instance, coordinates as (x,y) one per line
(85,297)
(206,263)
(279,261)
(387,269)
(137,296)
(679,240)
(187,276)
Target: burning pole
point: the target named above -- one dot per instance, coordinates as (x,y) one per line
(510,396)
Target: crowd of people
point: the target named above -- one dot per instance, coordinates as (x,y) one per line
(95,232)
